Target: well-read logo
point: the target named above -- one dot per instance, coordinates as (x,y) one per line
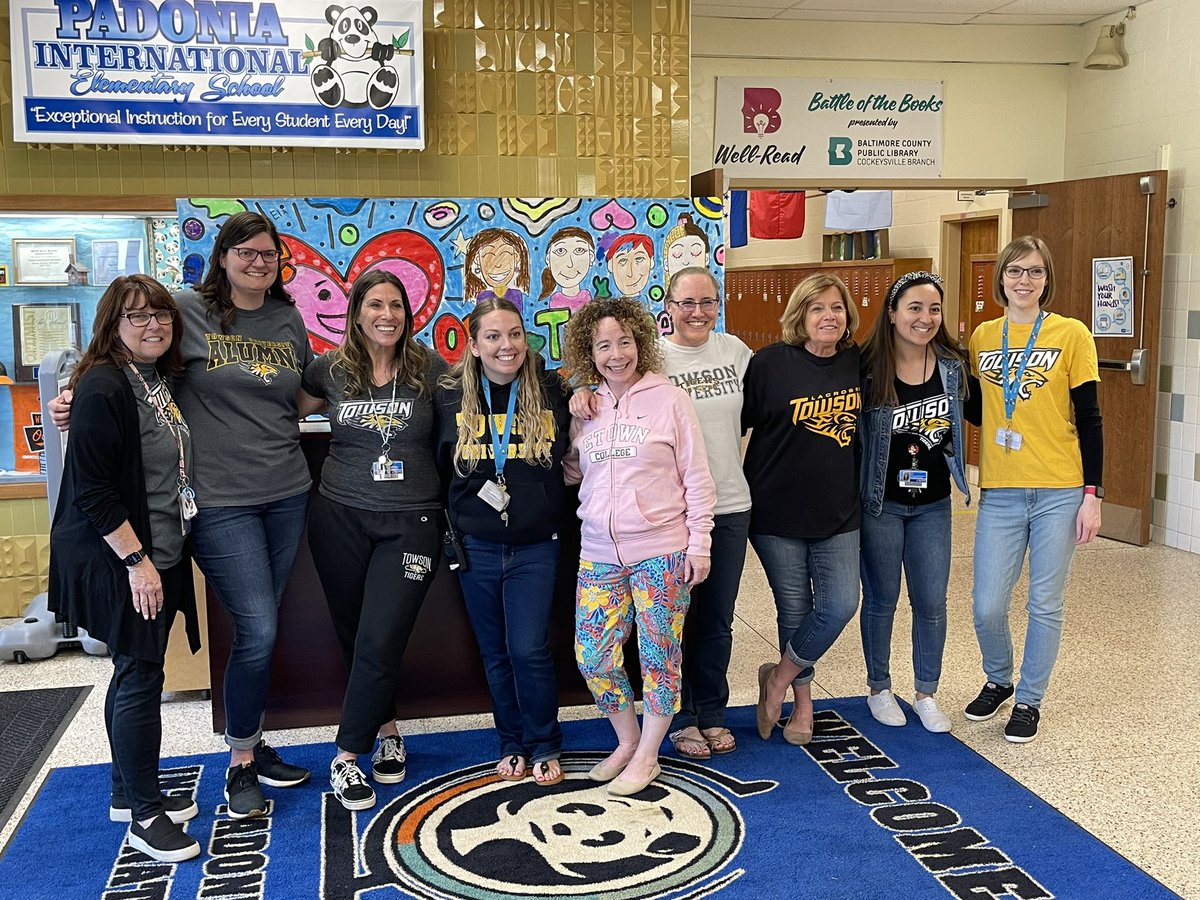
(469,834)
(760,110)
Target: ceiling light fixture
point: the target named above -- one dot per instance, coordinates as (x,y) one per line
(1110,46)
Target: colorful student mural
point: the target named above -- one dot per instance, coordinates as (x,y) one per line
(548,256)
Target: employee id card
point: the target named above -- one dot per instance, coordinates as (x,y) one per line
(494,495)
(914,479)
(1008,439)
(384,469)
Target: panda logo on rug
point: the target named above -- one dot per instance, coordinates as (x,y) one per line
(354,68)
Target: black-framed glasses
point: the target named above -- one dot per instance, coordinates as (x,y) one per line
(689,306)
(247,254)
(142,319)
(1037,273)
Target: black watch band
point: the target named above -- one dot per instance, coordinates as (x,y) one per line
(134,558)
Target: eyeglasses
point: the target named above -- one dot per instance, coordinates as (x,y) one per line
(142,319)
(247,254)
(689,306)
(1036,273)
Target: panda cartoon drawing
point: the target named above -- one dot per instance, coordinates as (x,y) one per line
(354,68)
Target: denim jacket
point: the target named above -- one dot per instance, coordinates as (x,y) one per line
(877,438)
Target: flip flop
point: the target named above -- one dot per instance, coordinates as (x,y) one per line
(690,747)
(543,769)
(720,740)
(513,762)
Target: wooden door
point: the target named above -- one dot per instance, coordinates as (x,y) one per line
(1102,217)
(978,305)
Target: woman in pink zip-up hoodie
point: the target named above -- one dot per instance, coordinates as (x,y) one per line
(646,502)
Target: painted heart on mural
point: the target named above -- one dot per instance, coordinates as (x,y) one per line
(322,292)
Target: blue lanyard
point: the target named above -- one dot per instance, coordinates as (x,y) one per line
(1013,388)
(500,444)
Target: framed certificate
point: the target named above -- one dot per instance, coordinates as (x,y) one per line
(42,260)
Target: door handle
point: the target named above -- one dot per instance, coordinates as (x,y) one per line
(1135,365)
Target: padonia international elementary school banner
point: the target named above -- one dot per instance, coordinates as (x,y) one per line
(847,128)
(300,73)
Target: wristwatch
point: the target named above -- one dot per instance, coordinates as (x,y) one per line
(134,558)
(1095,490)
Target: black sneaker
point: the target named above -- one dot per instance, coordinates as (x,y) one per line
(181,808)
(273,771)
(1022,724)
(387,765)
(163,840)
(242,793)
(989,701)
(350,785)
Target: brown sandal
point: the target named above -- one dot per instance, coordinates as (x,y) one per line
(542,776)
(518,768)
(719,740)
(690,747)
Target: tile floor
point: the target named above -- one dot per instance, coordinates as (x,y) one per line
(1115,753)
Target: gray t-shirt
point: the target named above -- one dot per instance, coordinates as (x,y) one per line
(356,440)
(238,394)
(159,421)
(712,375)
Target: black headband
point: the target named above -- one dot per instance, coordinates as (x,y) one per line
(905,281)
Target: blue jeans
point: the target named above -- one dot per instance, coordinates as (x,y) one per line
(1012,520)
(916,538)
(508,589)
(708,628)
(815,583)
(246,554)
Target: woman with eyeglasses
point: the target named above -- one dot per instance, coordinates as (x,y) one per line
(914,389)
(244,348)
(709,366)
(120,560)
(1041,463)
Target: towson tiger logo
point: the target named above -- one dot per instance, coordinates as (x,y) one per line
(833,415)
(1037,370)
(927,420)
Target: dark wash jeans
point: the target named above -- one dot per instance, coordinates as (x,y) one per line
(508,589)
(246,554)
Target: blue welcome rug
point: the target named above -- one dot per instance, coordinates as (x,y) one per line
(865,811)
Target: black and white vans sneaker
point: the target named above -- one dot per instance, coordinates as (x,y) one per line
(273,771)
(388,763)
(163,840)
(1022,724)
(178,809)
(350,785)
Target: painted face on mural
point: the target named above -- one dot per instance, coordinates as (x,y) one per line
(688,250)
(569,259)
(498,265)
(631,270)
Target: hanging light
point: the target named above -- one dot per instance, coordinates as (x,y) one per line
(1110,46)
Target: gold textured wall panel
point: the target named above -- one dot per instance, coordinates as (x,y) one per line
(530,98)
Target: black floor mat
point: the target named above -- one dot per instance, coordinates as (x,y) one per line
(31,723)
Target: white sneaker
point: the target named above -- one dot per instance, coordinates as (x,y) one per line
(885,708)
(931,716)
